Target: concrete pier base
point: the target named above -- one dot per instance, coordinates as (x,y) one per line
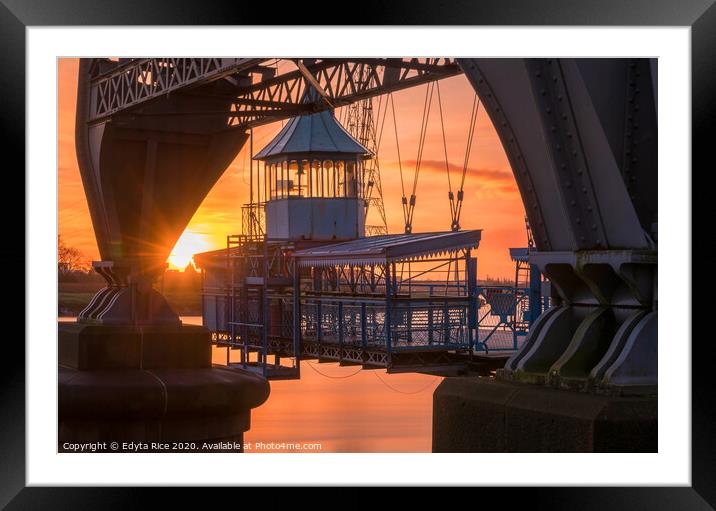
(485,415)
(150,389)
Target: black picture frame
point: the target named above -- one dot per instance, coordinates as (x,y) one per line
(17,15)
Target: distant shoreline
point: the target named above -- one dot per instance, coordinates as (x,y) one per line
(183,296)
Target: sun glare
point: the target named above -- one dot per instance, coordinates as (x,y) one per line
(189,243)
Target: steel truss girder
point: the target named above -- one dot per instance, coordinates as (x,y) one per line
(339,83)
(137,81)
(120,87)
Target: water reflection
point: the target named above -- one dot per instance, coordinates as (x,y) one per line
(348,410)
(343,408)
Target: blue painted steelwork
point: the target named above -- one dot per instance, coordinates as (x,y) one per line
(369,301)
(502,323)
(510,311)
(396,293)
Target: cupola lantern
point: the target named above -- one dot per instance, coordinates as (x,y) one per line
(314,175)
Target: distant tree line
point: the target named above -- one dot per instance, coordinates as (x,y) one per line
(72,264)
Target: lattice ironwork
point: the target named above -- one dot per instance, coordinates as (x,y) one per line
(129,83)
(339,82)
(361,123)
(260,93)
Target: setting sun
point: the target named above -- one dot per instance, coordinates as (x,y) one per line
(189,243)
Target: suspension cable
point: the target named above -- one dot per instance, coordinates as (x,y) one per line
(457,206)
(409,204)
(461,193)
(442,127)
(451,195)
(400,164)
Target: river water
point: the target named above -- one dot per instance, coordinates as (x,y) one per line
(342,409)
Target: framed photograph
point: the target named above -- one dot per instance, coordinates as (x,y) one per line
(419,249)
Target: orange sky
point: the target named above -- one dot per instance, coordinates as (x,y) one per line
(491,203)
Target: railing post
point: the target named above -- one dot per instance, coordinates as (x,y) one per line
(388,306)
(265,307)
(319,309)
(409,321)
(363,325)
(340,331)
(446,323)
(297,316)
(471,295)
(430,314)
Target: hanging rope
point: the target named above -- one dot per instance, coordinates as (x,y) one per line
(333,377)
(423,389)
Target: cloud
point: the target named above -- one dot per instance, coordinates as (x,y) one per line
(438,166)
